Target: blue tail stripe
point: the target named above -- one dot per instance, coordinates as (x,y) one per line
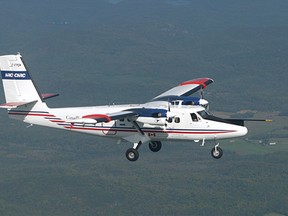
(15,75)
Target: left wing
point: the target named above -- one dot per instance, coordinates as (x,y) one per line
(98,118)
(185,89)
(110,116)
(150,113)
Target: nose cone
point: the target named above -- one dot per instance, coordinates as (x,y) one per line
(242,131)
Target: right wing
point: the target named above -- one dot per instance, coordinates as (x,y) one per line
(185,89)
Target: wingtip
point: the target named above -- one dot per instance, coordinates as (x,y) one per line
(200,81)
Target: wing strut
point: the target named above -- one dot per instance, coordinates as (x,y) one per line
(138,128)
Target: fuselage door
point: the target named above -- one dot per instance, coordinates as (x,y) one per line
(197,121)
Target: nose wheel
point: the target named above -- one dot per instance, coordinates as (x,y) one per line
(216,152)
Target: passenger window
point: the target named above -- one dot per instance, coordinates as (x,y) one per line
(177,120)
(169,120)
(194,117)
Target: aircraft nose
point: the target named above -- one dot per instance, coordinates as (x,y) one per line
(242,131)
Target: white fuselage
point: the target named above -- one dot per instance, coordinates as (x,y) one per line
(181,126)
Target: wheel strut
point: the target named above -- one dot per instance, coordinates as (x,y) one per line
(216,152)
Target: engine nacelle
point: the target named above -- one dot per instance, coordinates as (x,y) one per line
(190,101)
(204,103)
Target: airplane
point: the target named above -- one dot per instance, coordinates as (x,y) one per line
(173,115)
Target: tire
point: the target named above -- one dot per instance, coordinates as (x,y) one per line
(132,154)
(217,154)
(155,146)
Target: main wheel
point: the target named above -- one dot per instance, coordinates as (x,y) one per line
(216,153)
(155,146)
(132,154)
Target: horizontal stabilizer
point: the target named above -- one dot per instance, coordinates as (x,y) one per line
(13,105)
(48,95)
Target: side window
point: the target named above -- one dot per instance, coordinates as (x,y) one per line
(194,117)
(169,120)
(177,120)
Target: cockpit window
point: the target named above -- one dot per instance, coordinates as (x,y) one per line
(194,117)
(203,114)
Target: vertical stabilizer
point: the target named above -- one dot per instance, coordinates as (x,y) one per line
(18,85)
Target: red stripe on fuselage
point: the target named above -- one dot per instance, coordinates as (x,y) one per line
(58,121)
(31,114)
(148,131)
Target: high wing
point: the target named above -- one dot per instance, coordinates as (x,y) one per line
(132,114)
(111,116)
(185,89)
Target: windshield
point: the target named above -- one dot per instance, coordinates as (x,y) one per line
(203,114)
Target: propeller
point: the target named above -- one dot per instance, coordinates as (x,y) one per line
(201,93)
(170,115)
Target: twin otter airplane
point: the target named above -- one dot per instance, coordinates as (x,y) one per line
(173,115)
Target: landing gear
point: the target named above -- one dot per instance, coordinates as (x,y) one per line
(132,154)
(155,146)
(216,152)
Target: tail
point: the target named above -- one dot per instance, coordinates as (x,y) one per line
(21,93)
